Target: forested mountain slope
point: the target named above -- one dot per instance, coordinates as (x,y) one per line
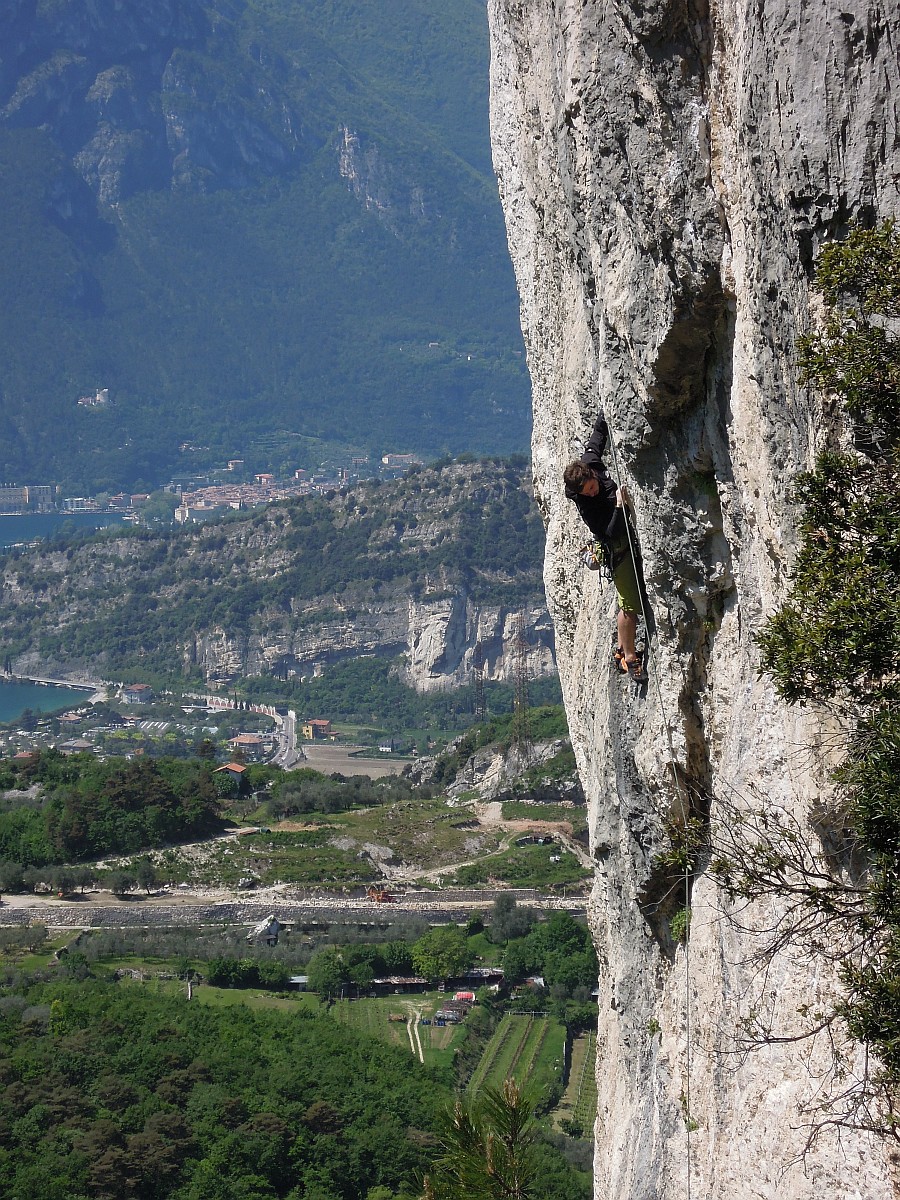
(270,229)
(425,567)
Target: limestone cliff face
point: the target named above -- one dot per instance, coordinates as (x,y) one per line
(668,172)
(435,638)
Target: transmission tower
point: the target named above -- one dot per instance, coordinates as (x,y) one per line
(478,703)
(521,730)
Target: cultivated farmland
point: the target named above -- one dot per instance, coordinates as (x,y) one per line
(524,1047)
(579,1102)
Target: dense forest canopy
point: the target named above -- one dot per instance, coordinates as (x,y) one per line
(271,231)
(85,808)
(113,1093)
(118,1090)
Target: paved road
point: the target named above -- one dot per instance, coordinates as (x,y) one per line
(288,754)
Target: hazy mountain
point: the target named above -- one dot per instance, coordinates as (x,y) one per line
(270,229)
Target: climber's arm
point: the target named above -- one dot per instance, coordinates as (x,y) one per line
(596,444)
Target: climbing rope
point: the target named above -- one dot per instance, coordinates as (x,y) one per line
(685,800)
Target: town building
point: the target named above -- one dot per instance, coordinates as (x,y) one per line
(316,728)
(40,496)
(12,499)
(235,770)
(395,462)
(252,745)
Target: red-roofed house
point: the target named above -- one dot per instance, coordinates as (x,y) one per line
(236,770)
(316,728)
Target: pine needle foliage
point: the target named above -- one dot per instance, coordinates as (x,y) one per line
(489,1148)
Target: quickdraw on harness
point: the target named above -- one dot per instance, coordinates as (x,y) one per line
(594,556)
(597,556)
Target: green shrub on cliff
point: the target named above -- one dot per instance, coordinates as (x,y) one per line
(836,641)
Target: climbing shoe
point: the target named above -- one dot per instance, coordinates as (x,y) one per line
(619,659)
(635,669)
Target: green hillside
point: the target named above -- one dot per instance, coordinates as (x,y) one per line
(271,230)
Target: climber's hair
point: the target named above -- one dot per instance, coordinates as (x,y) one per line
(576,476)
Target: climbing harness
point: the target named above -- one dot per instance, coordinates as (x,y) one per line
(685,801)
(595,557)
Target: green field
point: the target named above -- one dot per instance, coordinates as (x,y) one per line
(519,810)
(525,866)
(579,1102)
(372,1017)
(522,1048)
(40,958)
(202,993)
(252,997)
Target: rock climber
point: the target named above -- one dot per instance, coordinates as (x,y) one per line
(601,505)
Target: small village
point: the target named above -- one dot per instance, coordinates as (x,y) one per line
(200,497)
(113,723)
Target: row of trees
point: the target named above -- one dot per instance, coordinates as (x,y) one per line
(439,954)
(142,874)
(560,950)
(247,972)
(295,947)
(305,791)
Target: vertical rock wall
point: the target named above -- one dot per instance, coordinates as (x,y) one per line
(668,171)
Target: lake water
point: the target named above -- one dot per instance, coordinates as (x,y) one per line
(30,527)
(15,697)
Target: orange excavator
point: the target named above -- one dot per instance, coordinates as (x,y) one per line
(380,894)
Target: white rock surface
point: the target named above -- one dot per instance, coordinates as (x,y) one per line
(668,172)
(443,634)
(436,637)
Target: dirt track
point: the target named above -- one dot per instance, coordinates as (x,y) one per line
(100,910)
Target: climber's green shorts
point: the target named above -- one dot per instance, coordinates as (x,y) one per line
(624,576)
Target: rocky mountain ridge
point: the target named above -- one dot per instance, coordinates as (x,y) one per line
(264,230)
(424,568)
